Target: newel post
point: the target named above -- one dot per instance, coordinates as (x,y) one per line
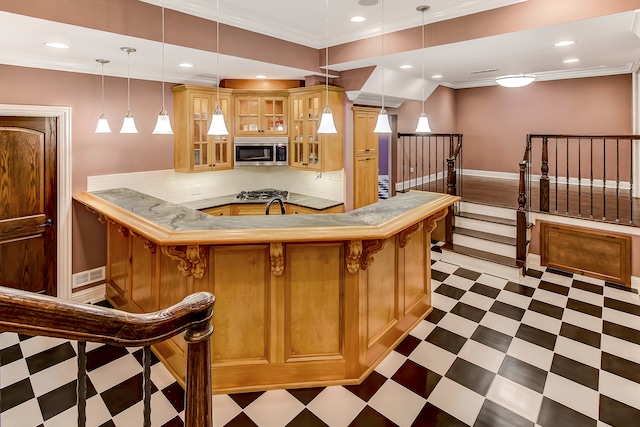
(451,190)
(521,216)
(198,410)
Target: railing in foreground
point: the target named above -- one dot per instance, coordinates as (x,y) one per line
(582,176)
(33,314)
(431,162)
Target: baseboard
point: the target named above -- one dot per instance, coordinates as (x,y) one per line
(90,295)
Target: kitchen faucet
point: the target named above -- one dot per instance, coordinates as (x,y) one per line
(279,200)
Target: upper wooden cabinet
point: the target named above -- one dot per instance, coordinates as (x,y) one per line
(307,149)
(261,113)
(364,122)
(194,150)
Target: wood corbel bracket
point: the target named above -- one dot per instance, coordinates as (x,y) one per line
(148,244)
(432,221)
(369,248)
(276,253)
(405,235)
(354,252)
(191,259)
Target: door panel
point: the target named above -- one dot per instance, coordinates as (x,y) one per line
(27,203)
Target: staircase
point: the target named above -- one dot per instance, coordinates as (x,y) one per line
(484,238)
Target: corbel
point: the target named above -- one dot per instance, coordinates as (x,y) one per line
(370,247)
(432,221)
(276,253)
(191,259)
(354,252)
(406,234)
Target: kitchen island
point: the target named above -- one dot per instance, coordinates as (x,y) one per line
(301,300)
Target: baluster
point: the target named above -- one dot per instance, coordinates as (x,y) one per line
(82,384)
(579,179)
(617,180)
(146,386)
(436,162)
(591,186)
(404,165)
(429,165)
(567,181)
(604,179)
(631,171)
(444,158)
(544,177)
(422,150)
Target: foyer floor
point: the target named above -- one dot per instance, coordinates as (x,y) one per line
(555,349)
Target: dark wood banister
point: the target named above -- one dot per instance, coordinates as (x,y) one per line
(452,185)
(34,314)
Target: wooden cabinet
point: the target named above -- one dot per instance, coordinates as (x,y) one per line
(219,211)
(261,113)
(194,150)
(307,148)
(365,146)
(301,210)
(255,209)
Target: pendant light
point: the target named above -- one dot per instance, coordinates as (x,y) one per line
(128,125)
(382,124)
(423,120)
(218,127)
(103,124)
(163,124)
(326,122)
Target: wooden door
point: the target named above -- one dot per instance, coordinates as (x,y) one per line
(28,256)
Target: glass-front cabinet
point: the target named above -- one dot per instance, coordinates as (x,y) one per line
(194,150)
(261,113)
(308,149)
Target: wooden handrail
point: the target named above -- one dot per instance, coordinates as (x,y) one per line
(34,314)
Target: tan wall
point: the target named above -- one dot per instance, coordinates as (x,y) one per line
(495,120)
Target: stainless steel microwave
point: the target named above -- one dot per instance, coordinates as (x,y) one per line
(261,151)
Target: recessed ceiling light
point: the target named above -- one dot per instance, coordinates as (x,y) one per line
(406,66)
(436,76)
(571,60)
(358,19)
(57,45)
(185,65)
(260,76)
(564,43)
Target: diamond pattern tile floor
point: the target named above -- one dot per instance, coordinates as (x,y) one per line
(555,349)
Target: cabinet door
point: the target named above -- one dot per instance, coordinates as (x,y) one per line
(219,211)
(365,140)
(297,143)
(273,115)
(201,105)
(313,115)
(365,181)
(221,153)
(247,115)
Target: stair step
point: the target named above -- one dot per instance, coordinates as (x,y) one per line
(487,256)
(487,218)
(485,236)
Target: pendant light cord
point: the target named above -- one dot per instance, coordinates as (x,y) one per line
(163,55)
(326,52)
(422,56)
(128,83)
(382,61)
(102,65)
(218,53)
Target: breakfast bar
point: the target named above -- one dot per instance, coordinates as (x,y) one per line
(301,300)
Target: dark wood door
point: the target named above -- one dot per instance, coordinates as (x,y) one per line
(28,255)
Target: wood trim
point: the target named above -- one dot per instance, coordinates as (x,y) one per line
(591,252)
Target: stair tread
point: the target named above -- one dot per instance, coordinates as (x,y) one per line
(487,218)
(485,236)
(487,256)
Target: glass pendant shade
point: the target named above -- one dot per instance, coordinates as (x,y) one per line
(128,125)
(382,124)
(163,124)
(103,125)
(218,127)
(326,122)
(423,124)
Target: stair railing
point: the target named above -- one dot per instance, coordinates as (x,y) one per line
(431,162)
(524,195)
(33,314)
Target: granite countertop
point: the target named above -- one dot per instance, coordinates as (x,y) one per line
(175,217)
(294,199)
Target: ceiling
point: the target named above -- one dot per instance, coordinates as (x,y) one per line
(605,45)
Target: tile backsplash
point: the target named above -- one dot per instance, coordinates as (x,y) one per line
(178,187)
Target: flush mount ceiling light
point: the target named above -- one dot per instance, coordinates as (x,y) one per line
(218,126)
(128,125)
(103,124)
(382,124)
(423,120)
(516,80)
(57,45)
(163,124)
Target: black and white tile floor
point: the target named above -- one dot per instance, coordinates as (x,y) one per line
(555,349)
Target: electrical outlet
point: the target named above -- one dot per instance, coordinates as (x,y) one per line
(412,169)
(335,176)
(195,189)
